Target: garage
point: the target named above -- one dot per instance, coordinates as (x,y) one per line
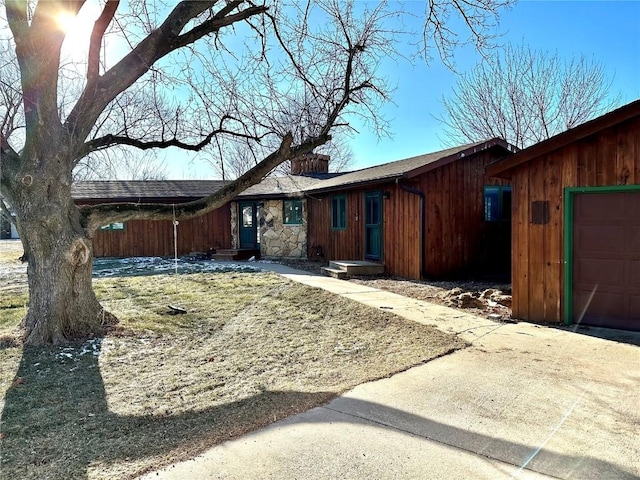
(606,259)
(576,224)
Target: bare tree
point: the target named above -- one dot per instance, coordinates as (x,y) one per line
(525,96)
(120,165)
(165,74)
(239,157)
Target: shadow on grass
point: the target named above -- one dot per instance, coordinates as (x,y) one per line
(56,422)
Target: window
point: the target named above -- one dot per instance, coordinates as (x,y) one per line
(113,226)
(339,212)
(292,212)
(497,203)
(247,216)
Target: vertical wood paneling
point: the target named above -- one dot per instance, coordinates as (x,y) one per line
(610,157)
(454,222)
(625,153)
(536,245)
(457,235)
(552,230)
(142,238)
(606,158)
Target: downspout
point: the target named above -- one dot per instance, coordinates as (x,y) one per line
(420,194)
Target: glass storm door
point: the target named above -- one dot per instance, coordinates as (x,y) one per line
(248,225)
(373,225)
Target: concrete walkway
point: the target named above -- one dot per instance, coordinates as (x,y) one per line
(523,401)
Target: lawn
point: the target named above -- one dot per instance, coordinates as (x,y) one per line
(253,348)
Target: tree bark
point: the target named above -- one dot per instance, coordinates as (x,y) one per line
(62,304)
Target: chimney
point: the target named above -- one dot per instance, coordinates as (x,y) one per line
(309,164)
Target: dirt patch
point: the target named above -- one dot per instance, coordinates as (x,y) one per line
(487,299)
(481,298)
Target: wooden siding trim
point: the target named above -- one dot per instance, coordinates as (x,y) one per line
(496,143)
(592,127)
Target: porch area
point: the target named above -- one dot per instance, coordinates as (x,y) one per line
(346,268)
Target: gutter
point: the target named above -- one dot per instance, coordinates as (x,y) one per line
(420,194)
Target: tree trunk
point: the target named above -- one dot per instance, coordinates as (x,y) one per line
(62,304)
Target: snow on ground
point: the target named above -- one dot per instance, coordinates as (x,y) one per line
(10,271)
(14,273)
(119,267)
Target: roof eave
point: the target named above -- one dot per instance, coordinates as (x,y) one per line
(481,147)
(356,184)
(627,112)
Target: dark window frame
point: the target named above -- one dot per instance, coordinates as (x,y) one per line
(117,226)
(497,203)
(294,218)
(339,212)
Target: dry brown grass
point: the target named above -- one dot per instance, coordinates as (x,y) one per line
(253,348)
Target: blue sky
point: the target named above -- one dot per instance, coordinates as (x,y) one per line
(603,30)
(607,31)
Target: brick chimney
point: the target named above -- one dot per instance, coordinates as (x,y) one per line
(309,164)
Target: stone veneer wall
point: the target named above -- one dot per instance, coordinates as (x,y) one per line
(278,239)
(234,225)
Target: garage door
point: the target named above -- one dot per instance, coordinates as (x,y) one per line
(606,259)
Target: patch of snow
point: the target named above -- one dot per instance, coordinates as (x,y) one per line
(116,267)
(9,271)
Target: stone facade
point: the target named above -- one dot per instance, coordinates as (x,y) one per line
(235,240)
(278,239)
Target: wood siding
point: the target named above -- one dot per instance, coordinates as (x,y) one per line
(337,244)
(456,235)
(142,238)
(610,157)
(460,243)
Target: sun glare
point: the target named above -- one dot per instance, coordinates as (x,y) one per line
(77,29)
(66,22)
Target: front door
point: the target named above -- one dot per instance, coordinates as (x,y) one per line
(373,226)
(248,225)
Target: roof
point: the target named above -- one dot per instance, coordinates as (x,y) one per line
(110,190)
(622,114)
(289,185)
(409,167)
(278,187)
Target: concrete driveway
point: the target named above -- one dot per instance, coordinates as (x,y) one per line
(523,401)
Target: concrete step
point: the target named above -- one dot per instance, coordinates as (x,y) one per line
(334,272)
(357,267)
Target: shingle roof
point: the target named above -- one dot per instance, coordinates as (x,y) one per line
(401,168)
(132,190)
(289,185)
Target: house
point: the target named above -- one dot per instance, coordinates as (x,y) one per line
(423,216)
(139,238)
(436,215)
(274,214)
(576,224)
(7,228)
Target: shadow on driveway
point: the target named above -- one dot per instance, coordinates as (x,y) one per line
(56,424)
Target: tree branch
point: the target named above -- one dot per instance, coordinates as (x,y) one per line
(94,216)
(95,44)
(139,61)
(110,140)
(17,18)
